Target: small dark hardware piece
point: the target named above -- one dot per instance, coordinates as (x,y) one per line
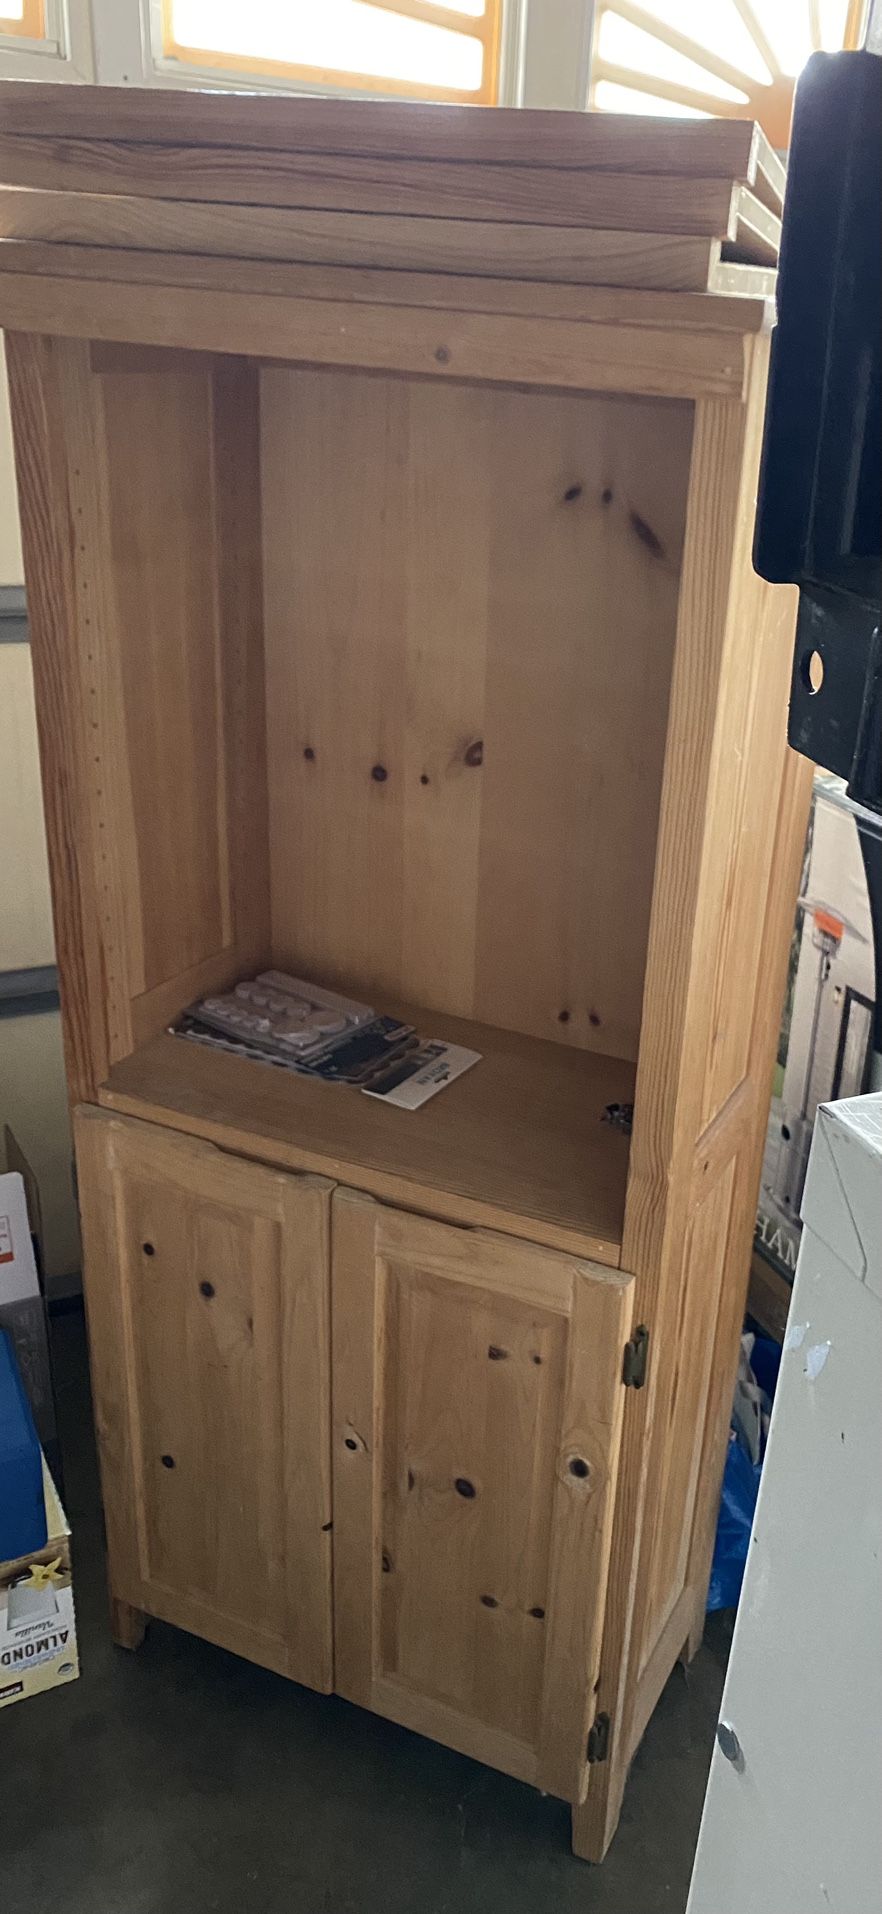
(636,1358)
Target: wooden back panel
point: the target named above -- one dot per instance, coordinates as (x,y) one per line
(140,496)
(470,604)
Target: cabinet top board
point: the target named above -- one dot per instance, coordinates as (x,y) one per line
(302,205)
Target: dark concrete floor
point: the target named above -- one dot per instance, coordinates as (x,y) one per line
(183,1781)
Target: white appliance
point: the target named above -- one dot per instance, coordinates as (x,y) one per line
(792,1819)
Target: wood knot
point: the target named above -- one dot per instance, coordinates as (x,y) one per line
(206,1289)
(442,354)
(473,755)
(579,1468)
(465,1488)
(646,535)
(379,773)
(496,1354)
(572,492)
(606,496)
(309,753)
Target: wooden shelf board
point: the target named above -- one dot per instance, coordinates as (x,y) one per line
(518,1144)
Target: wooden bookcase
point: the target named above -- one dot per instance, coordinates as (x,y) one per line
(394,622)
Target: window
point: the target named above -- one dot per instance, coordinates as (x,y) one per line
(422,49)
(26,19)
(714,57)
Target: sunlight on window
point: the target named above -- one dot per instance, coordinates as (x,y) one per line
(623,44)
(337,35)
(610,98)
(712,57)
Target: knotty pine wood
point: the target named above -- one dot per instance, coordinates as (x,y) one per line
(493,348)
(732,657)
(734,149)
(794,800)
(153,687)
(207,1289)
(469,1557)
(699,311)
(35,368)
(476,712)
(517,1144)
(578,254)
(557,196)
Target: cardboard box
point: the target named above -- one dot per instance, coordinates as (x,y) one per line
(38,1632)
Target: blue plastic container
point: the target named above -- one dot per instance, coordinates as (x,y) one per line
(22,1502)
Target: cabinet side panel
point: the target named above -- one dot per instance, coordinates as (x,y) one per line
(465,765)
(160,549)
(714,977)
(682,1399)
(139,492)
(37,369)
(111,1358)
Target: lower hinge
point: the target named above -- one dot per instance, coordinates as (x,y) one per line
(598,1739)
(636,1359)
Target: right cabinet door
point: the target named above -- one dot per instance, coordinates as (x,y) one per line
(477,1407)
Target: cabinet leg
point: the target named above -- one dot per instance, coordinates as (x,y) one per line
(694,1640)
(127,1624)
(594,1820)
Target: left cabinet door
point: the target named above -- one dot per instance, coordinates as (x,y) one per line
(207,1293)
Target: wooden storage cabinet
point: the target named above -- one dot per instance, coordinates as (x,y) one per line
(478,1400)
(208,1304)
(393,621)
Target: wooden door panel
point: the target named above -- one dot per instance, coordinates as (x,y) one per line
(207,1294)
(470,1374)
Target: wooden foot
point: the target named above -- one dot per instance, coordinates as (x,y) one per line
(695,1636)
(594,1820)
(127,1624)
(693,1641)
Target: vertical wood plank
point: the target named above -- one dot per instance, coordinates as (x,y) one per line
(356,1426)
(594,1402)
(732,631)
(238,571)
(37,369)
(783,881)
(110,1353)
(305,1356)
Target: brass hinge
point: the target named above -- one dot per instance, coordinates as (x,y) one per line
(636,1359)
(598,1739)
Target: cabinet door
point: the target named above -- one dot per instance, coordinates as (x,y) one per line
(478,1401)
(207,1296)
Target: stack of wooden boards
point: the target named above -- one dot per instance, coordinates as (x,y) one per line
(161,186)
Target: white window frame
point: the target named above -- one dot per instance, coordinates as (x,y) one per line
(545,52)
(64,53)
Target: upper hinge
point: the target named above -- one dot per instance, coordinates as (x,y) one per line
(636,1358)
(598,1739)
